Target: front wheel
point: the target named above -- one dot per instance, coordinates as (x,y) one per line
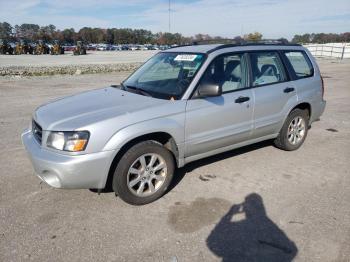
(294,130)
(143,173)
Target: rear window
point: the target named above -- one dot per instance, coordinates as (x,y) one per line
(300,63)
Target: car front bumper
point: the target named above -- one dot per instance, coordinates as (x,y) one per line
(68,171)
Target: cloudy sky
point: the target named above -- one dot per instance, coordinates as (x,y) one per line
(228,18)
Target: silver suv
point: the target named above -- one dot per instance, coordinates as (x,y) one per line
(183,104)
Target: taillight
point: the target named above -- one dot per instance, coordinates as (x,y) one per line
(322,87)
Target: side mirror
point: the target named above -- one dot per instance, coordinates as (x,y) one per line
(209,89)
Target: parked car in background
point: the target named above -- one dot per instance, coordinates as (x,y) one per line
(164,47)
(68,47)
(153,47)
(101,48)
(132,47)
(183,104)
(117,47)
(124,48)
(91,47)
(142,47)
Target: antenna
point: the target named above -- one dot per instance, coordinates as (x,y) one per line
(169,15)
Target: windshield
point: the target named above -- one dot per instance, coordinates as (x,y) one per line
(166,75)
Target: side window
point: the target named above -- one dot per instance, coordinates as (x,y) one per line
(267,68)
(300,63)
(228,71)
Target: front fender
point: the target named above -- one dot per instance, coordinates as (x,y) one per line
(173,125)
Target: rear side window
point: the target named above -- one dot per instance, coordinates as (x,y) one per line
(300,63)
(267,68)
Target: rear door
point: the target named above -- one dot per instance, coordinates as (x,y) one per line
(307,80)
(274,93)
(216,122)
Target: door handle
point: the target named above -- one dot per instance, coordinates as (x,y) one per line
(242,99)
(289,89)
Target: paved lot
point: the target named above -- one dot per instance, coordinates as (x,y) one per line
(296,204)
(92,57)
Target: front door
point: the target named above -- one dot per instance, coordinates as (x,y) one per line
(217,122)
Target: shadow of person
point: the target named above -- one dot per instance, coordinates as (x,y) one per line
(245,233)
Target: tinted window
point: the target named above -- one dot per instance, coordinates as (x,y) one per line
(228,71)
(267,68)
(300,63)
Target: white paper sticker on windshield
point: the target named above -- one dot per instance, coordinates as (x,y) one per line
(185,57)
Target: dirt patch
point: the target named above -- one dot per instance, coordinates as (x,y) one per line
(332,130)
(187,218)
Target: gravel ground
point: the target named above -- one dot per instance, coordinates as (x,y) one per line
(93,62)
(92,57)
(295,204)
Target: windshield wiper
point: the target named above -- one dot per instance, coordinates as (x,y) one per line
(138,90)
(120,86)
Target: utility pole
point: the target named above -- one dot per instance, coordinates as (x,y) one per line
(169,10)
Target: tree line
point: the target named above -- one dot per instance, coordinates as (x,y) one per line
(322,38)
(34,32)
(48,33)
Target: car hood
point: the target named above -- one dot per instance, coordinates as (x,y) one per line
(84,109)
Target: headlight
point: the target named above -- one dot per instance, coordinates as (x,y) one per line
(68,141)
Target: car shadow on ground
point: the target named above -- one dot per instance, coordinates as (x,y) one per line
(246,233)
(181,172)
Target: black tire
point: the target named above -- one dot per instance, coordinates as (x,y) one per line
(282,141)
(120,176)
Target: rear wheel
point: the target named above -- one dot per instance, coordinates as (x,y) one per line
(294,130)
(143,173)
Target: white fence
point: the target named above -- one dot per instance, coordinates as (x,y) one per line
(336,50)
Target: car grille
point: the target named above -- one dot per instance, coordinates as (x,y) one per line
(37,131)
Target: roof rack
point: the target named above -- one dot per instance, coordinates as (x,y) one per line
(240,41)
(283,42)
(223,41)
(217,41)
(171,47)
(226,43)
